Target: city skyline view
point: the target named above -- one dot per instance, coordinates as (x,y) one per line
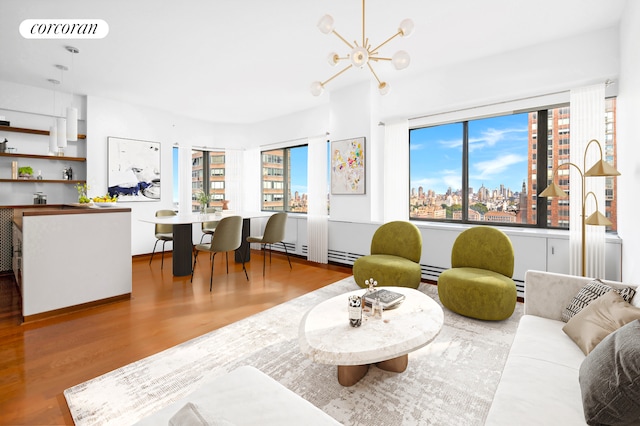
(498,149)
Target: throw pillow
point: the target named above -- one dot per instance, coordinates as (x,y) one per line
(600,318)
(192,415)
(591,292)
(610,379)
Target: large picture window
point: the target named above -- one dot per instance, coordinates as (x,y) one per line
(284,179)
(487,170)
(207,176)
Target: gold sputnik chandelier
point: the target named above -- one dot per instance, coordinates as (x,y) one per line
(363,54)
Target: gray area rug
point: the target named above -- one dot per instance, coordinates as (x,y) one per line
(449,382)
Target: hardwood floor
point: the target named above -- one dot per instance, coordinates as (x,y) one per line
(38,361)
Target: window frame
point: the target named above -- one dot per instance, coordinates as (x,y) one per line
(540,152)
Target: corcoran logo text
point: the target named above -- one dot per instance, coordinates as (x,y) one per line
(64,28)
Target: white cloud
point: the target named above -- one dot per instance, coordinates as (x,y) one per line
(487,169)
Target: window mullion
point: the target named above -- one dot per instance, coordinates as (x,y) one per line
(465,171)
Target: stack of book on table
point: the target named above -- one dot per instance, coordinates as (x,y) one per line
(388,299)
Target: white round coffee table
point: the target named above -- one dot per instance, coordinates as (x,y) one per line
(327,337)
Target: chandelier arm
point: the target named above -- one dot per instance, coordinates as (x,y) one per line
(387,41)
(336,74)
(374,73)
(377,58)
(363,40)
(343,39)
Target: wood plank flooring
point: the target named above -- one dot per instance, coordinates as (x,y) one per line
(38,361)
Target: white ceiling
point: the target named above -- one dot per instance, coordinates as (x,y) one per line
(243,61)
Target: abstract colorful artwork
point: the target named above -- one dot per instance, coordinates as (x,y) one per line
(348,166)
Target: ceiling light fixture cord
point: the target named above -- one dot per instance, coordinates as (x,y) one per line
(361,55)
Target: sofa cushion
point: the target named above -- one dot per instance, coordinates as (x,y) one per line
(591,292)
(539,384)
(192,415)
(610,379)
(599,319)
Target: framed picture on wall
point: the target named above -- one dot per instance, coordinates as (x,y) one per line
(348,166)
(133,169)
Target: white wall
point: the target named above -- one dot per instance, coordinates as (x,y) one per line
(546,68)
(107,117)
(628,141)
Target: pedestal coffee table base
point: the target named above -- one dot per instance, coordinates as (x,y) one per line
(349,375)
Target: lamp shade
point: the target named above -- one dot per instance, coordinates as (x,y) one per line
(553,190)
(359,57)
(325,24)
(401,60)
(406,27)
(384,88)
(316,88)
(61,124)
(598,219)
(72,124)
(602,168)
(333,58)
(53,140)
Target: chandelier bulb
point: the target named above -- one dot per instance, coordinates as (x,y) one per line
(333,58)
(401,60)
(359,57)
(384,88)
(406,27)
(325,24)
(316,88)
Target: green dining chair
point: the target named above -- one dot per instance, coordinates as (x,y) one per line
(273,233)
(226,238)
(163,232)
(208,228)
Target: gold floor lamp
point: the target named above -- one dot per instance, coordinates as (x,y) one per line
(600,169)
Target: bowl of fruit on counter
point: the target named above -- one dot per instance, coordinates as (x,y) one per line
(105,201)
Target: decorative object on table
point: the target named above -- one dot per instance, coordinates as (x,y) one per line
(25,172)
(14,170)
(386,298)
(361,55)
(370,283)
(225,204)
(355,311)
(69,173)
(39,177)
(65,175)
(600,169)
(203,199)
(3,145)
(133,169)
(82,193)
(348,167)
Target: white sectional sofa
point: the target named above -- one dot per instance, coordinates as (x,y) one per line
(539,384)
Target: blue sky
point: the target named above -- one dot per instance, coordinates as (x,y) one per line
(299,170)
(498,149)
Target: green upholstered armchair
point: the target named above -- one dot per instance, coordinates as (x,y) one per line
(479,283)
(396,248)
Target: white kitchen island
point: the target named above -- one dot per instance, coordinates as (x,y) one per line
(68,258)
